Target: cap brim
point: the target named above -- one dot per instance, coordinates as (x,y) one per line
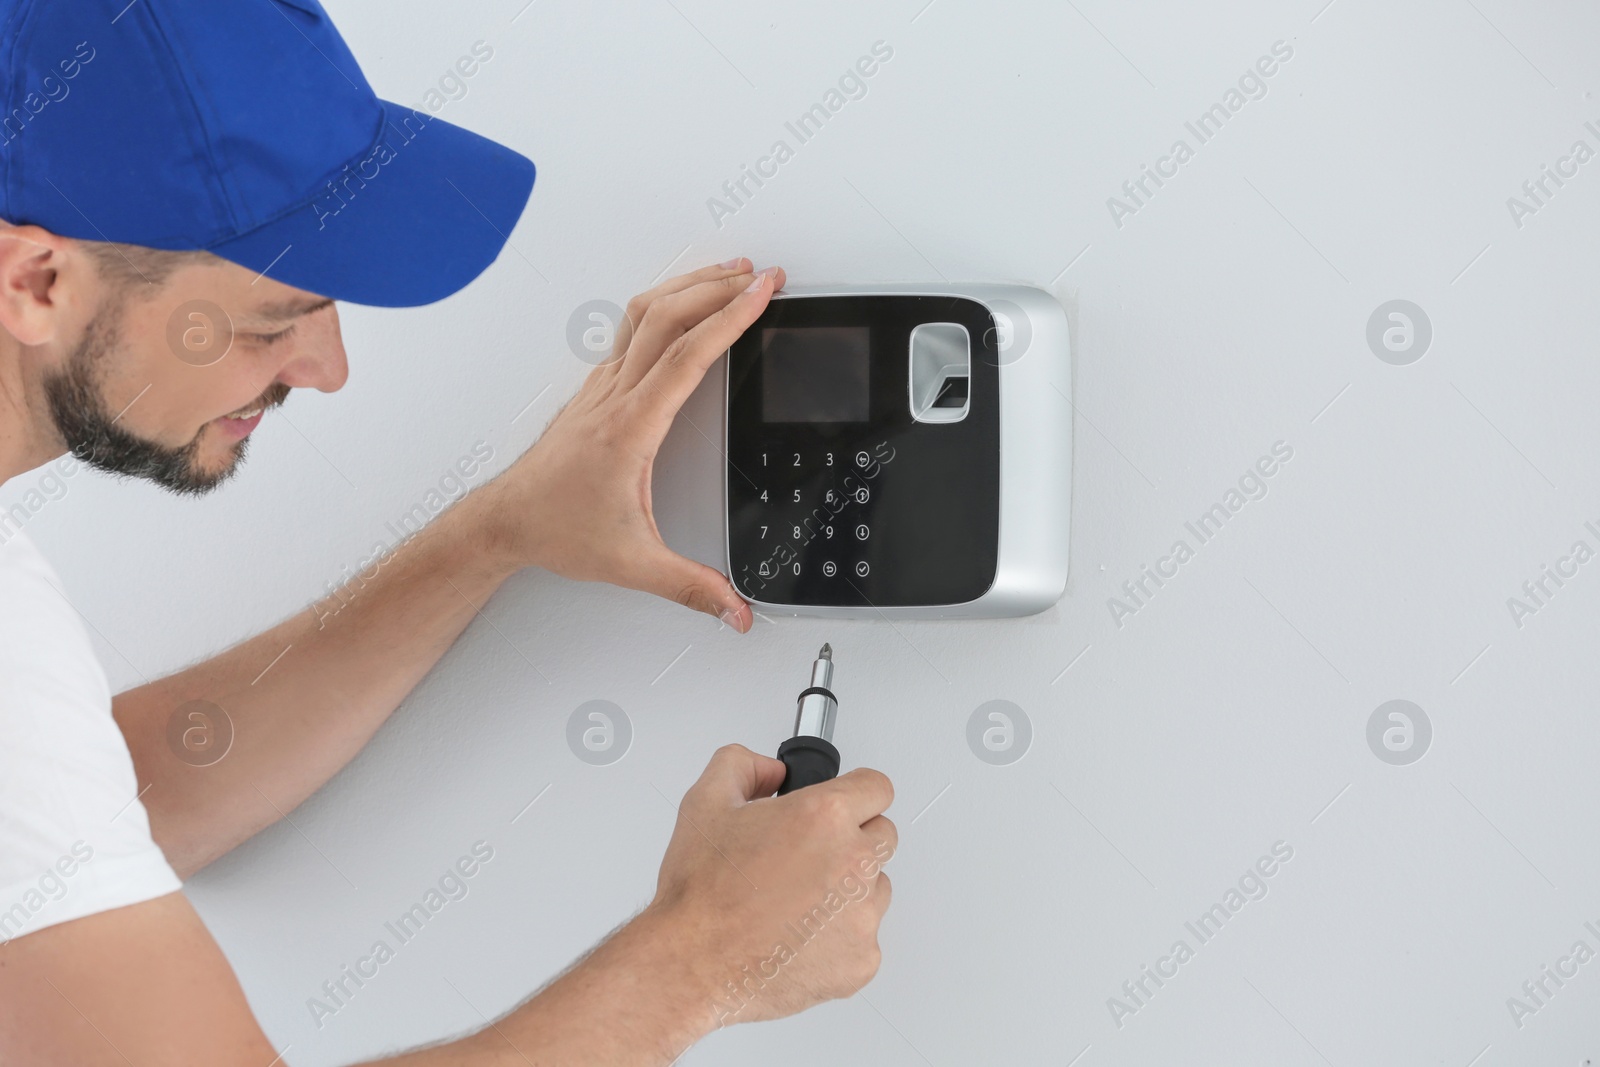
(413,222)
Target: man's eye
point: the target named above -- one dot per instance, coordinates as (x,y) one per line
(271,338)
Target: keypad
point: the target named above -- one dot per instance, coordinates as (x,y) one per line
(814,517)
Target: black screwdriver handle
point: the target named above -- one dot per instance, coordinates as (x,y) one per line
(810,760)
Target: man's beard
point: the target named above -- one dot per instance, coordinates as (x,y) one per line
(90,428)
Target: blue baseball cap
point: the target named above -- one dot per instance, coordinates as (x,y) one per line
(244,128)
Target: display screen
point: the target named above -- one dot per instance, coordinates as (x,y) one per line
(815,373)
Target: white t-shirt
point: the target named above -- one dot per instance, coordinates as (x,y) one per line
(74,838)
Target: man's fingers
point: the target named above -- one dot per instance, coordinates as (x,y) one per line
(884,835)
(686,360)
(671,316)
(882,891)
(736,774)
(866,793)
(639,306)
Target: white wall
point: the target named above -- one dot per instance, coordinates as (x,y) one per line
(1224,716)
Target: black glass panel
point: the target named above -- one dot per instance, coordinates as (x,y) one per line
(835,495)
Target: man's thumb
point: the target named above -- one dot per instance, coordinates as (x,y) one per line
(696,586)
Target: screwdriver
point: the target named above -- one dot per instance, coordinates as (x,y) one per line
(809,754)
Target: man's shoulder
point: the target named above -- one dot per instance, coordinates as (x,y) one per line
(23,568)
(42,638)
(68,792)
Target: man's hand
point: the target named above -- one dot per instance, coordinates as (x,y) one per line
(775,901)
(578,502)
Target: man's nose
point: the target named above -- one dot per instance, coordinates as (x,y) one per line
(317,358)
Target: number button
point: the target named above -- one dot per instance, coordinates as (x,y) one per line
(862,569)
(862,533)
(830,568)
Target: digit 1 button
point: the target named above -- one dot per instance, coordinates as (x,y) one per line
(829,568)
(862,569)
(862,459)
(862,533)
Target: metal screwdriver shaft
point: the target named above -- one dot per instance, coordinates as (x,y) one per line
(809,754)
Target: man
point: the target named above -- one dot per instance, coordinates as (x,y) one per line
(175,173)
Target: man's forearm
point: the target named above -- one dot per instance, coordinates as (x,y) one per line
(303,697)
(637,1000)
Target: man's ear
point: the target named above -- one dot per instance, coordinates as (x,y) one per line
(32,281)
